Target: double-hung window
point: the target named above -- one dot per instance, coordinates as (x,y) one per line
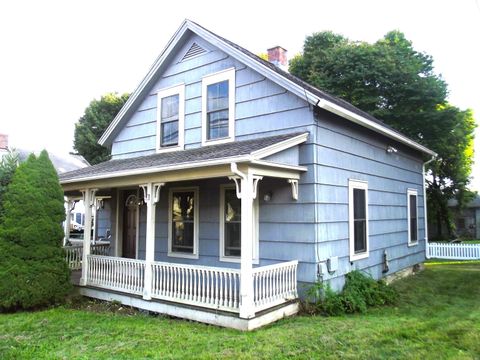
(231,224)
(183,223)
(170,118)
(218,107)
(412,215)
(358,219)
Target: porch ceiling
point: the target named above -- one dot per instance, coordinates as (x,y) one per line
(205,162)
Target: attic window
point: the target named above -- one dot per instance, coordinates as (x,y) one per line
(194,50)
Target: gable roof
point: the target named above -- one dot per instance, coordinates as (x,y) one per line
(314,96)
(237,151)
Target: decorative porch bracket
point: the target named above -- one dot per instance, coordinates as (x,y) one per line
(89,201)
(238,186)
(294,183)
(246,185)
(69,207)
(151,196)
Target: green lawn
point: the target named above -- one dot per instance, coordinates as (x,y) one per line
(438,317)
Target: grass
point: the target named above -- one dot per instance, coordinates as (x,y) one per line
(438,317)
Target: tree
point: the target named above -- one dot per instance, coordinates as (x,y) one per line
(33,269)
(397,84)
(90,127)
(8,164)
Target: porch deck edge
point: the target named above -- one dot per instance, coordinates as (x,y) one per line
(208,316)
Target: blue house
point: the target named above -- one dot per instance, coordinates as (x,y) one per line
(233,183)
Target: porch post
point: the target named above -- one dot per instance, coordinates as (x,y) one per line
(94,222)
(247,193)
(151,195)
(69,206)
(88,200)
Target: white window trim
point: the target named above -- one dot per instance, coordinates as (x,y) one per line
(171,253)
(256,243)
(163,93)
(411,192)
(357,184)
(228,74)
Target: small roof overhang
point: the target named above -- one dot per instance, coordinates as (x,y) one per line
(205,162)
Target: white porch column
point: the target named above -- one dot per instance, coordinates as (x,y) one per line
(69,206)
(247,193)
(151,195)
(88,200)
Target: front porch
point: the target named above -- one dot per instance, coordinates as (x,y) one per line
(200,293)
(163,243)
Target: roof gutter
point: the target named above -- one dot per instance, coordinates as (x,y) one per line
(336,109)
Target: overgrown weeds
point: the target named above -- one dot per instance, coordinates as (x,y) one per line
(359,293)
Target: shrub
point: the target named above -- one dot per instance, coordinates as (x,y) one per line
(8,165)
(32,264)
(359,293)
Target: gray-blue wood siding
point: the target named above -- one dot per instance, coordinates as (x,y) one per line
(261,107)
(315,227)
(104,216)
(345,151)
(286,227)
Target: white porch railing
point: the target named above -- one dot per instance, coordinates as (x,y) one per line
(274,284)
(210,287)
(74,254)
(121,274)
(453,251)
(205,286)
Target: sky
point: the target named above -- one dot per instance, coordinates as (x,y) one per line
(57,56)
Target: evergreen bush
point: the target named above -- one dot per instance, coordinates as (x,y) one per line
(33,269)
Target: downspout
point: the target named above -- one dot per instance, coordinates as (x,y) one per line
(425,205)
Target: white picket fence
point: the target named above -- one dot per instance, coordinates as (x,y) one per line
(453,251)
(74,254)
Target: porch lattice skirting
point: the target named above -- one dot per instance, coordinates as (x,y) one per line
(208,287)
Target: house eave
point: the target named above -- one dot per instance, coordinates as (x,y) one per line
(105,139)
(338,110)
(152,170)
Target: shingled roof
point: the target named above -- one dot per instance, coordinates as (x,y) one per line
(228,151)
(300,82)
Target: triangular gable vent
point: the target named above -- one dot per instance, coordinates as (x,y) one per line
(194,50)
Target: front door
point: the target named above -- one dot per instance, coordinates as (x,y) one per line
(129,248)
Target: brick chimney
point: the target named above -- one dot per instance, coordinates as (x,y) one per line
(3,142)
(278,57)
